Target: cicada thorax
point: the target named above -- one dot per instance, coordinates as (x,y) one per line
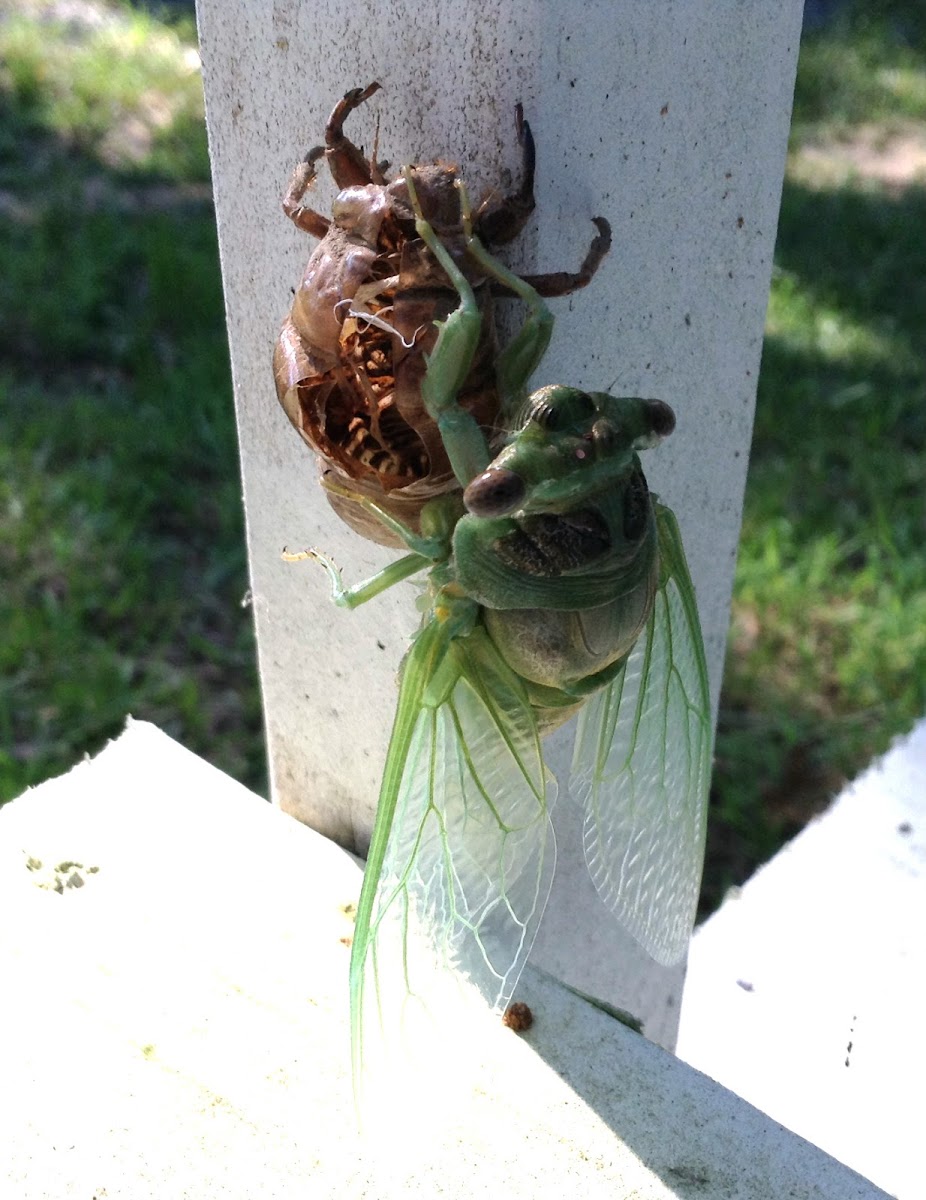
(560,545)
(592,590)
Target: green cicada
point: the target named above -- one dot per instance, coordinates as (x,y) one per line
(556,583)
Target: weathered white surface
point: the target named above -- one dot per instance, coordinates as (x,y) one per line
(806,993)
(177,1027)
(669,119)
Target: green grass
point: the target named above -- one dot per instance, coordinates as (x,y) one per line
(121,531)
(121,539)
(865,65)
(827,655)
(124,91)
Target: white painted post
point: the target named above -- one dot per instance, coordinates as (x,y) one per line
(671,121)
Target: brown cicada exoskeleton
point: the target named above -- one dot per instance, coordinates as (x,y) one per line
(351,355)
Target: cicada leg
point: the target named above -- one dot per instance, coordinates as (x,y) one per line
(438,519)
(430,545)
(360,593)
(520,358)
(450,361)
(499,219)
(301,180)
(345,160)
(561,283)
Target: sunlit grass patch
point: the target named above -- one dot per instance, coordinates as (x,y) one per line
(108,81)
(804,322)
(827,653)
(121,528)
(866,65)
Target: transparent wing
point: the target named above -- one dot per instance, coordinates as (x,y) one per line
(462,853)
(641,767)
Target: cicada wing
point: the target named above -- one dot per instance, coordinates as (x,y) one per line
(641,767)
(462,853)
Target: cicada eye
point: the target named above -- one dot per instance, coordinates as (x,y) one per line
(580,406)
(636,507)
(494,493)
(661,417)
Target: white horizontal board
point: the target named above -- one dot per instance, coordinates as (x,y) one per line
(177,1026)
(806,991)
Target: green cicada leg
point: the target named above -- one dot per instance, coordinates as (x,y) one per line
(430,546)
(360,593)
(520,358)
(450,361)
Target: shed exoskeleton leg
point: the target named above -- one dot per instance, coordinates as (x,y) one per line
(301,180)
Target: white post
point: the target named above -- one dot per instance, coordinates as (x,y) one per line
(671,121)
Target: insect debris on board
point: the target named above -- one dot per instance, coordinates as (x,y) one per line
(518,1017)
(351,355)
(556,583)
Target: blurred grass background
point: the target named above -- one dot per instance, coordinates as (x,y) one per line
(122,562)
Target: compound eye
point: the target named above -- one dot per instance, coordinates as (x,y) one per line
(582,406)
(494,493)
(661,417)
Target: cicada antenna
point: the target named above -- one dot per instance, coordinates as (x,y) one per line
(374,157)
